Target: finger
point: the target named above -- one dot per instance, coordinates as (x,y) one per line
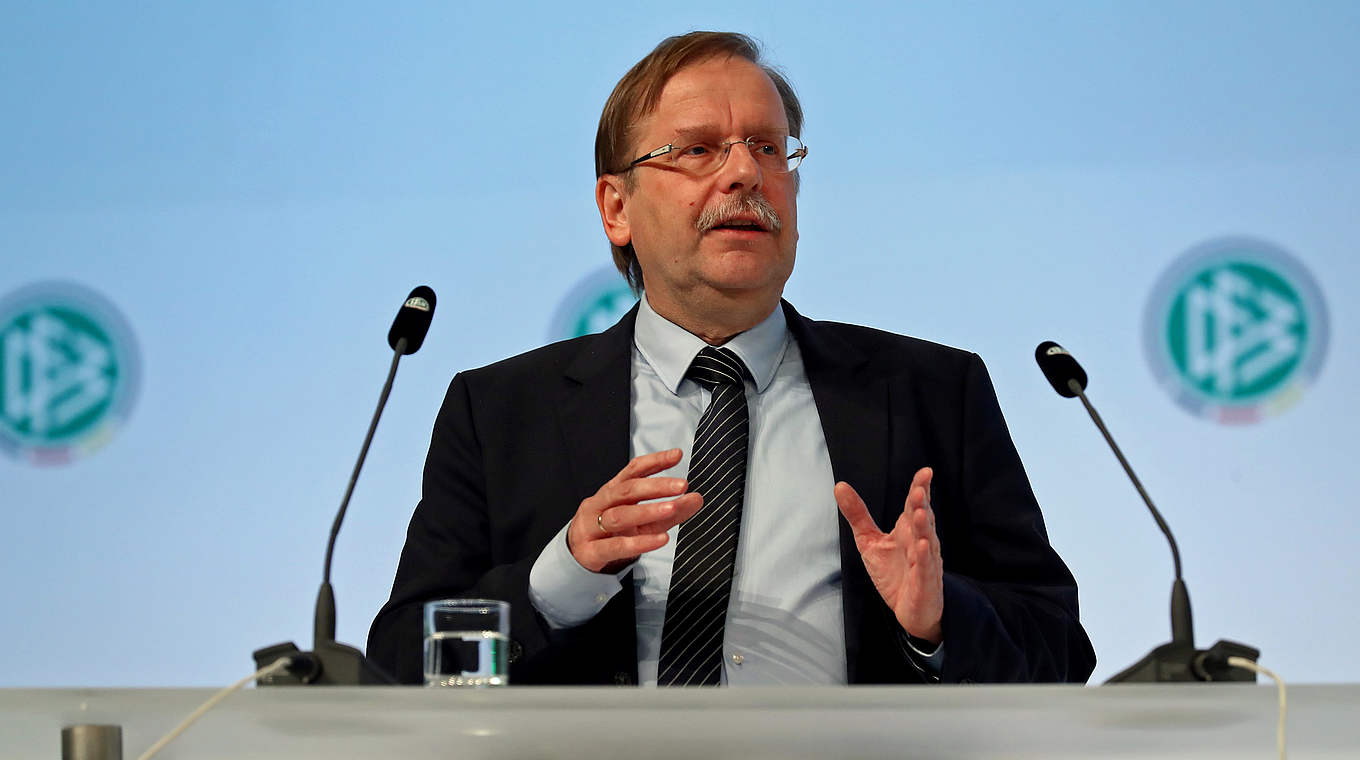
(920,489)
(918,495)
(635,490)
(855,512)
(685,507)
(926,565)
(918,559)
(648,464)
(923,532)
(624,518)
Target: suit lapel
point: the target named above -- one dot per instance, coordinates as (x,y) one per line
(852,402)
(594,409)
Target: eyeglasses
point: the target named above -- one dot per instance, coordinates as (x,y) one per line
(778,155)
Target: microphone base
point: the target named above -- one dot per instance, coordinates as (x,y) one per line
(1176,662)
(330,664)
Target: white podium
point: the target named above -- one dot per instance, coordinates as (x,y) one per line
(1131,721)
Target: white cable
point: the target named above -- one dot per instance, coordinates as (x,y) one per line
(1242,662)
(267,670)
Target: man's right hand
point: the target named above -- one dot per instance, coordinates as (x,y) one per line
(611,529)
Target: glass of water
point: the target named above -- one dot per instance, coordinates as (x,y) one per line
(467,642)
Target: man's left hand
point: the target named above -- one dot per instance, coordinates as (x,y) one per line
(905,563)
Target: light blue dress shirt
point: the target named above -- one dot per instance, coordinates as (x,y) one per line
(785,621)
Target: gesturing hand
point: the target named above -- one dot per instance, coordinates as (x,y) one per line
(905,563)
(611,529)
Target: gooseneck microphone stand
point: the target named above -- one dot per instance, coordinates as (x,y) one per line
(1176,660)
(330,662)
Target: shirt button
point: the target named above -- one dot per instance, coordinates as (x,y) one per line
(737,659)
(601,598)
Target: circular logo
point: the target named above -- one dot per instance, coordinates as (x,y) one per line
(1235,330)
(595,303)
(68,372)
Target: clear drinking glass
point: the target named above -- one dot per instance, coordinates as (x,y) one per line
(467,642)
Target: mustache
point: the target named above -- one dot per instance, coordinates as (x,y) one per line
(745,205)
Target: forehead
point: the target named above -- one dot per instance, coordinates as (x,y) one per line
(724,94)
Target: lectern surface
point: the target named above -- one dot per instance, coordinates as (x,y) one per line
(1195,721)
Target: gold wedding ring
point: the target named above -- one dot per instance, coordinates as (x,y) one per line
(599,520)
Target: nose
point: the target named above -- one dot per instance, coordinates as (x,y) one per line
(740,170)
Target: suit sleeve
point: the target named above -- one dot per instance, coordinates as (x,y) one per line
(1010,607)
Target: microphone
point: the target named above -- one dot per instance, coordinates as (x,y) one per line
(1061,369)
(413,321)
(1178,659)
(330,662)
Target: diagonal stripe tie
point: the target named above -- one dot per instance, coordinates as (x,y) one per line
(706,549)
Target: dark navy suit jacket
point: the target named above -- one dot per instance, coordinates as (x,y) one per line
(519,444)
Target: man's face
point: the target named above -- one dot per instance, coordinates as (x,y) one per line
(684,266)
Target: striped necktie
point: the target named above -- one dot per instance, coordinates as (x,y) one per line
(706,549)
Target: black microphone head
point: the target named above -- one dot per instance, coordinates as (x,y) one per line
(413,320)
(1060,368)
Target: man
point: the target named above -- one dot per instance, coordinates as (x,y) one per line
(807,502)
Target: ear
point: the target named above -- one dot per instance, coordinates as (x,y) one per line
(612,200)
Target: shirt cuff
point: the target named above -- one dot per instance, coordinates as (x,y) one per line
(563,592)
(925,656)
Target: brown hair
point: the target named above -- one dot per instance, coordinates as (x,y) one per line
(638,93)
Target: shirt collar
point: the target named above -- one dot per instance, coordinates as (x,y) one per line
(670,349)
